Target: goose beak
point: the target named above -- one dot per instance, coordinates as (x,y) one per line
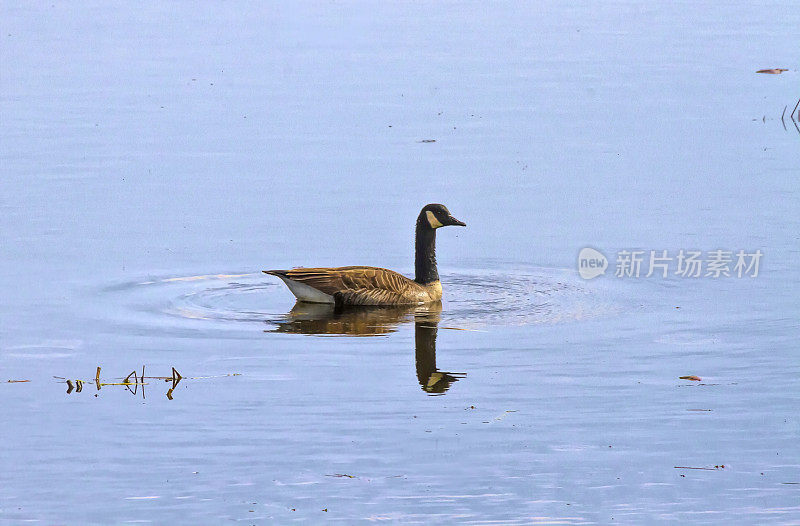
(453,221)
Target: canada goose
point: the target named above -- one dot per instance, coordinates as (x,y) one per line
(377,286)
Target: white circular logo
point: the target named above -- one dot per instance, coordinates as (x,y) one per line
(591,263)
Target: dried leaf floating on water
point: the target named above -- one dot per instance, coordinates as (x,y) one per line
(691,377)
(775,71)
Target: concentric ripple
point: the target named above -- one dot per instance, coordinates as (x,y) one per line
(245,301)
(523,298)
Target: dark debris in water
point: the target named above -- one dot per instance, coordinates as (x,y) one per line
(133,382)
(791,117)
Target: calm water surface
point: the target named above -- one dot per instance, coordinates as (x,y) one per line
(155,157)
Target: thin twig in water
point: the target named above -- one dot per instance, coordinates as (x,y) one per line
(130,382)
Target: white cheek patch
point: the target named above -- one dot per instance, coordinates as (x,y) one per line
(432,219)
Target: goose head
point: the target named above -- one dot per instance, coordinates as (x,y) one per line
(435,216)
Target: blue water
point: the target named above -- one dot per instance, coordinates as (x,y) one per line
(155,157)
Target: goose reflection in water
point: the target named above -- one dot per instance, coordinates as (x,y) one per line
(323,319)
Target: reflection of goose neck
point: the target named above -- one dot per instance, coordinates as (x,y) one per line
(431,379)
(425,346)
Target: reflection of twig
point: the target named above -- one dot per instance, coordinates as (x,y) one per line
(176,378)
(213,376)
(791,116)
(460,329)
(171,389)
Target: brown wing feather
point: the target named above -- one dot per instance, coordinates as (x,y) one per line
(357,285)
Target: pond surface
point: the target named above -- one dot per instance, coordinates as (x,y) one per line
(154,158)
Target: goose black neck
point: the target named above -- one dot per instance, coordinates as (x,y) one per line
(425,257)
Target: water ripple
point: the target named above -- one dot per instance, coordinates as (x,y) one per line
(473,299)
